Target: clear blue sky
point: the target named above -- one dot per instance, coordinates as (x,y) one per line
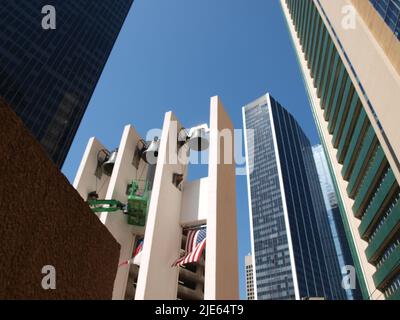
(175,55)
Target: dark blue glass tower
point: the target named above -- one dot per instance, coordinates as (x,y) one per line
(291,238)
(48,76)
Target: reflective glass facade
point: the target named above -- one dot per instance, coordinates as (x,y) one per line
(342,250)
(390,12)
(371,183)
(48,76)
(290,230)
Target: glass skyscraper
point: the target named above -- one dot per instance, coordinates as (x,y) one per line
(48,76)
(289,226)
(335,221)
(349,70)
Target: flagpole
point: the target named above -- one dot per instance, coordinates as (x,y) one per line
(195,227)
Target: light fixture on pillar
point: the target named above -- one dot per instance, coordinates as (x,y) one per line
(147,151)
(183,137)
(138,155)
(108,165)
(151,153)
(196,139)
(92,195)
(177,179)
(102,156)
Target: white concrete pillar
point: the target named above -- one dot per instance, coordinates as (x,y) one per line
(85,179)
(114,187)
(162,241)
(221,269)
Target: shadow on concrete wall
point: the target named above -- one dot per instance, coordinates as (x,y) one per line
(44,221)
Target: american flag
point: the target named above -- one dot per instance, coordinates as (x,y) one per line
(139,248)
(195,244)
(136,256)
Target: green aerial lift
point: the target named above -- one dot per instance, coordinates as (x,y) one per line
(136,208)
(138,204)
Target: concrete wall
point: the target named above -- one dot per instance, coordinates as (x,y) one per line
(44,221)
(115,187)
(383,34)
(221,273)
(122,175)
(86,172)
(376,73)
(195,202)
(211,200)
(162,241)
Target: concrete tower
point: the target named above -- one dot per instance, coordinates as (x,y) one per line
(175,205)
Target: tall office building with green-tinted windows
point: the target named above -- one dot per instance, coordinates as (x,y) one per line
(353,84)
